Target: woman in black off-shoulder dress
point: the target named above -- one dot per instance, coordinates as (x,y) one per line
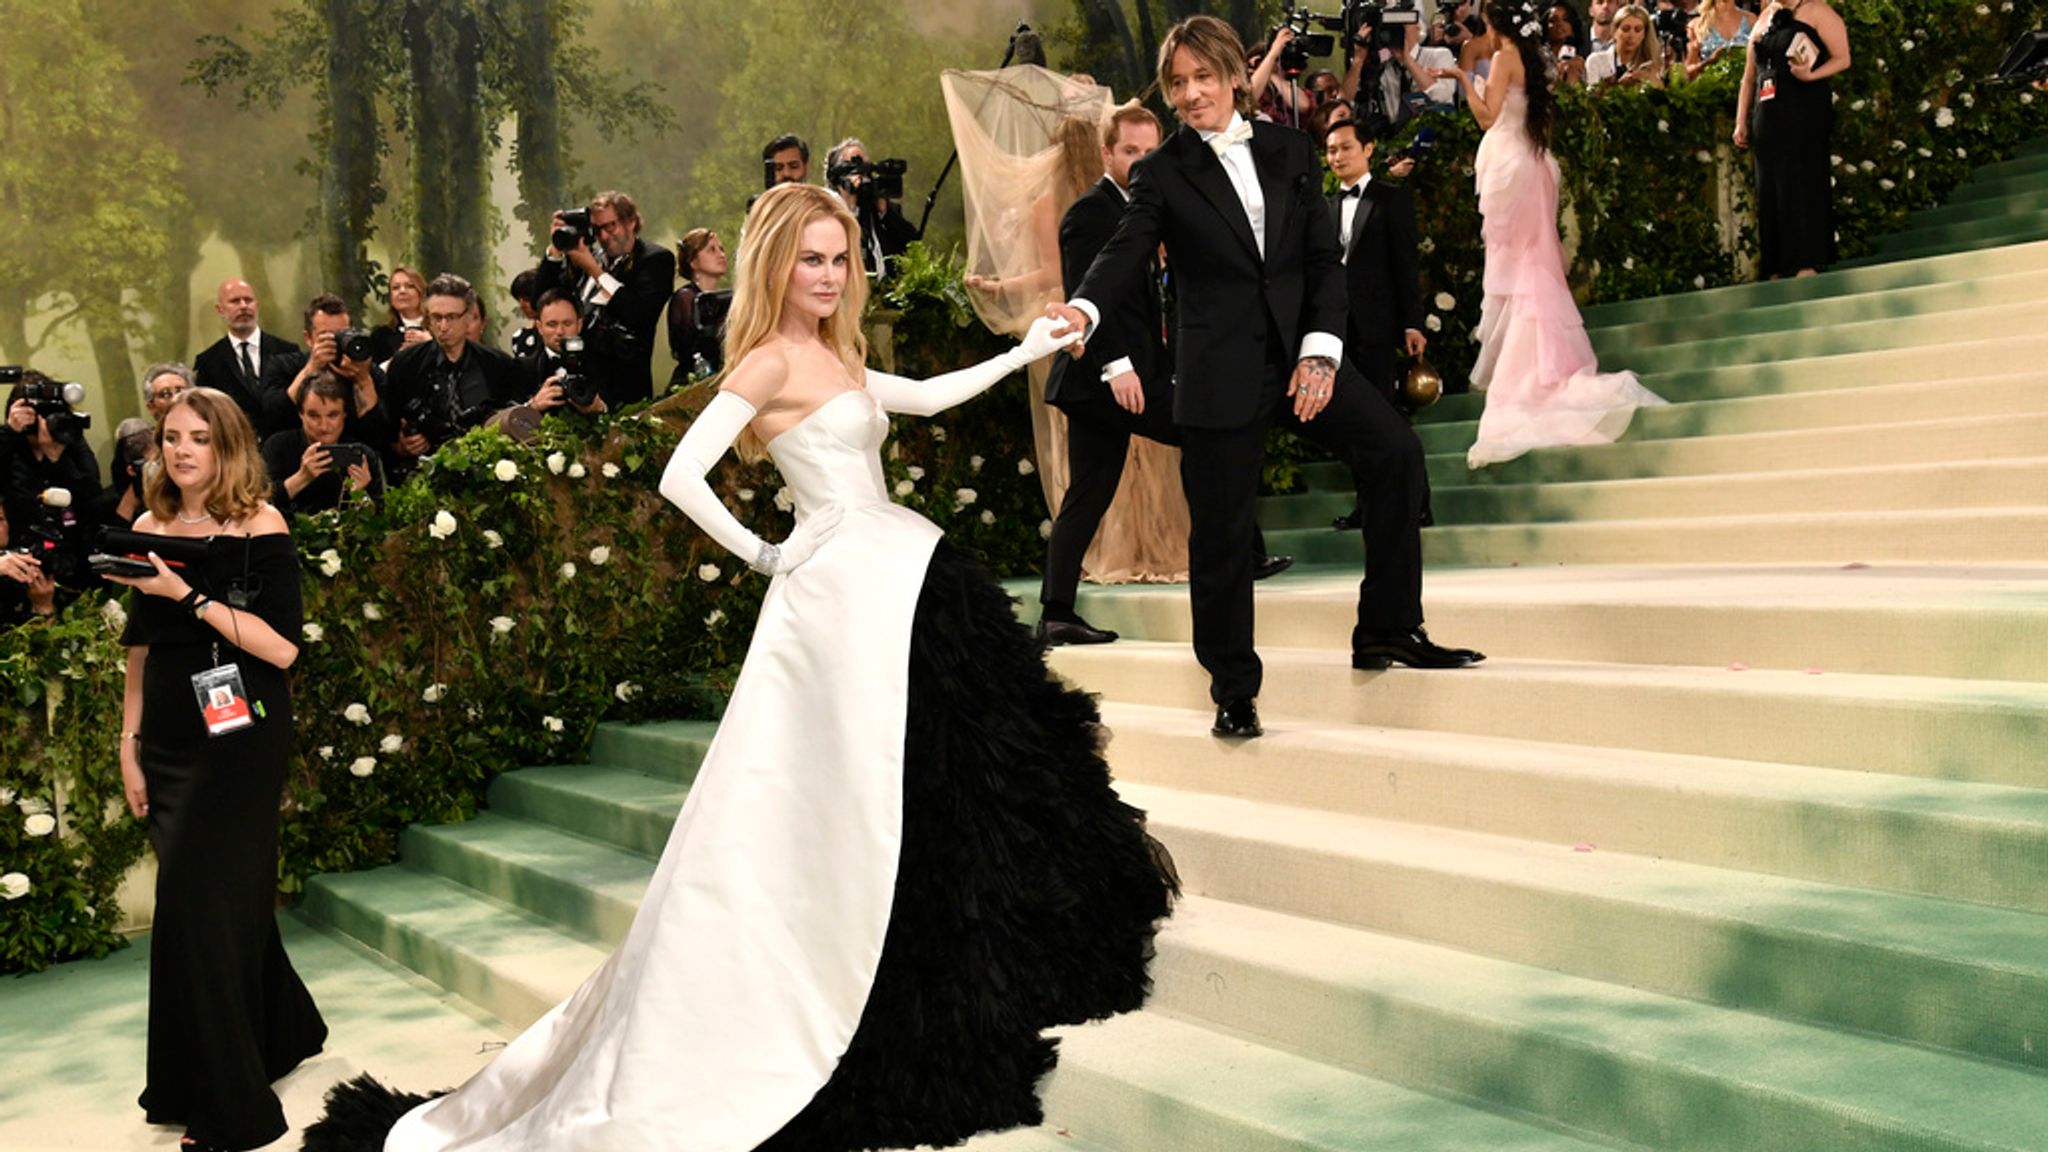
(227,1014)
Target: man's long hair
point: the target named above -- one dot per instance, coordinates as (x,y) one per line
(768,246)
(1507,18)
(1214,43)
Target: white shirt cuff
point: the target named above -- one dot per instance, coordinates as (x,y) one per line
(1093,313)
(1322,344)
(607,284)
(1116,368)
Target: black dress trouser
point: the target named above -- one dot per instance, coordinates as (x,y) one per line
(1220,469)
(1098,440)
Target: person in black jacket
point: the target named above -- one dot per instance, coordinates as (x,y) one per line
(304,477)
(34,459)
(1377,234)
(624,288)
(450,384)
(237,363)
(1261,305)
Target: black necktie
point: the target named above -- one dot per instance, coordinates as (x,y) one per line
(248,363)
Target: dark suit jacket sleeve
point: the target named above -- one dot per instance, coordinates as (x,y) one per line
(1324,307)
(1407,282)
(550,274)
(644,291)
(511,380)
(1120,266)
(1084,232)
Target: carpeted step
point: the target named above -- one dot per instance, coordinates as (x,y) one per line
(1986,623)
(1984,731)
(1936,972)
(670,749)
(617,806)
(1148,1081)
(588,888)
(1982,843)
(1831,338)
(2035,200)
(1664,1072)
(505,961)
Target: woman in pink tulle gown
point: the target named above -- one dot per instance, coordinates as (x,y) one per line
(1542,382)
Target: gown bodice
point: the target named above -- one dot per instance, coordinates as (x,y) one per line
(833,455)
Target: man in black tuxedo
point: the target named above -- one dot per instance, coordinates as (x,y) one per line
(623,289)
(443,387)
(237,362)
(1261,300)
(1377,236)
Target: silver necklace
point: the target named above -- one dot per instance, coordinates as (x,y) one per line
(183,519)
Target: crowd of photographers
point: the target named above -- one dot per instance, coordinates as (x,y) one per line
(353,405)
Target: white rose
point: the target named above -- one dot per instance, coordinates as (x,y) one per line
(1944,117)
(362,766)
(330,563)
(492,539)
(313,632)
(987,517)
(556,462)
(965,496)
(1961,154)
(746,495)
(506,470)
(783,500)
(356,714)
(610,470)
(327,751)
(2025,97)
(708,573)
(939,433)
(1427,245)
(1663,125)
(625,690)
(1925,154)
(1445,302)
(1026,467)
(600,555)
(1858,105)
(974,463)
(433,693)
(443,526)
(116,617)
(372,612)
(1886,185)
(1704,156)
(13,886)
(1699,281)
(33,806)
(41,824)
(1983,9)
(392,742)
(1905,45)
(1868,165)
(551,723)
(711,621)
(568,570)
(1433,323)
(905,487)
(1835,160)
(6,797)
(500,625)
(577,471)
(1045,529)
(914,472)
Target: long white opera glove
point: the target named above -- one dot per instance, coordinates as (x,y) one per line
(709,436)
(930,397)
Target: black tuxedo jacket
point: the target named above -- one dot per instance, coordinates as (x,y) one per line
(218,367)
(619,351)
(1232,305)
(509,380)
(1130,323)
(1380,267)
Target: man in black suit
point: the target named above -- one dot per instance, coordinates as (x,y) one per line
(237,362)
(1261,300)
(558,319)
(443,387)
(623,289)
(1376,233)
(1123,385)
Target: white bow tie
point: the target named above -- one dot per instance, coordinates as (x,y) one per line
(1236,134)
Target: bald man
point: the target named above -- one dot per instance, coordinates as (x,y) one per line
(238,362)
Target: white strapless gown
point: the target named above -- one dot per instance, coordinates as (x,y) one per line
(1542,382)
(742,981)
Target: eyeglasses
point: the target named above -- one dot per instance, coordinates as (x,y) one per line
(162,394)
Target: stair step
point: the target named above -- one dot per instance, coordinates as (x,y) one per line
(1148,1081)
(1660,1071)
(1967,624)
(2035,200)
(504,961)
(1994,220)
(1833,338)
(2021,231)
(1937,972)
(1989,732)
(587,888)
(618,806)
(1982,843)
(670,749)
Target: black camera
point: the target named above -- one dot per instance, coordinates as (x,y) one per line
(1294,56)
(1670,27)
(577,385)
(575,229)
(871,180)
(352,344)
(53,537)
(55,401)
(434,412)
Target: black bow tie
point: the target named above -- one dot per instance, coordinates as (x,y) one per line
(1354,190)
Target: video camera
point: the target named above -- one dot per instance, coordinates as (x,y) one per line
(575,229)
(870,180)
(56,402)
(1669,26)
(51,538)
(1363,23)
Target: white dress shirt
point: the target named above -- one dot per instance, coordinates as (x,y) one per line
(254,343)
(1244,179)
(1347,214)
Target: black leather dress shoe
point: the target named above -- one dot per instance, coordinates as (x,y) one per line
(1415,649)
(1053,633)
(1238,720)
(1348,522)
(1271,566)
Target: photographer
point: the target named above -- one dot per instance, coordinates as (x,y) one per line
(442,388)
(333,343)
(867,190)
(695,335)
(134,448)
(1406,78)
(42,446)
(623,288)
(26,591)
(303,473)
(1283,103)
(559,364)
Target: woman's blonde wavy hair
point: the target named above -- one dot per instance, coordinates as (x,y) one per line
(241,484)
(769,243)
